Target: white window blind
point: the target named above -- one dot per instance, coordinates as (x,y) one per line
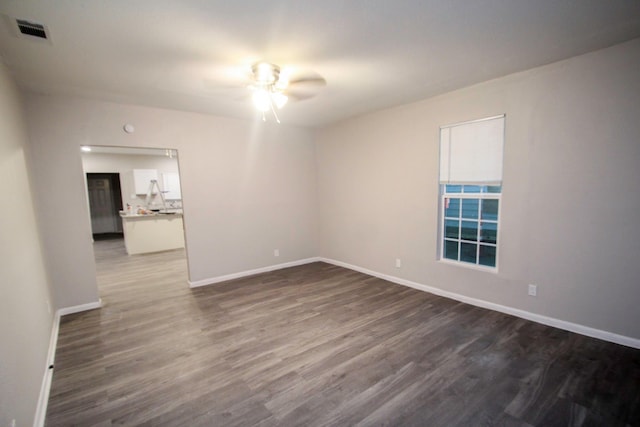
(471,152)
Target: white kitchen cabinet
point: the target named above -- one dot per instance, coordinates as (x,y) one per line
(171,186)
(142,178)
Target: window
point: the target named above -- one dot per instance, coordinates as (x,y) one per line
(470,191)
(470,223)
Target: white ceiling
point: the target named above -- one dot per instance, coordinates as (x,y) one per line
(188,54)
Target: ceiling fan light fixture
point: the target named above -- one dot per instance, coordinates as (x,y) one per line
(280,99)
(283,79)
(262,100)
(272,87)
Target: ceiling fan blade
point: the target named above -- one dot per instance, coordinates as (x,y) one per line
(300,93)
(308,81)
(215,86)
(298,97)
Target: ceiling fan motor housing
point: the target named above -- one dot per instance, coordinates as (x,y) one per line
(265,73)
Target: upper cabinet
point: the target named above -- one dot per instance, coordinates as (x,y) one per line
(171,186)
(142,179)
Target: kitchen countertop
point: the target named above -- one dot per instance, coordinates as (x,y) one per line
(177,214)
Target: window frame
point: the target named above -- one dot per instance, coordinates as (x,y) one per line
(442,231)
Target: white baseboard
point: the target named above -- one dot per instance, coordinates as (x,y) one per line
(549,321)
(78,308)
(212,280)
(45,388)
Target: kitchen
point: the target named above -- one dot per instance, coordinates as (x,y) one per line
(134,193)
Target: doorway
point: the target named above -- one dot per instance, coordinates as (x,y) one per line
(113,183)
(105,204)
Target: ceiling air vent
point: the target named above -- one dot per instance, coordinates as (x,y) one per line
(32,29)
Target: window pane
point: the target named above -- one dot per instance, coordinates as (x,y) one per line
(451,250)
(472,188)
(470,208)
(470,230)
(450,188)
(452,229)
(488,232)
(451,207)
(487,256)
(470,227)
(468,252)
(490,209)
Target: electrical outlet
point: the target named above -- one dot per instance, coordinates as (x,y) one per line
(276,252)
(533,290)
(398,263)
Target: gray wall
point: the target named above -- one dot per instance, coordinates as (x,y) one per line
(25,319)
(571,201)
(248,188)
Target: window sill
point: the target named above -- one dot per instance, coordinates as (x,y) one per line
(469,266)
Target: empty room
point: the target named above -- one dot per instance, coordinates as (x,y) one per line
(288,213)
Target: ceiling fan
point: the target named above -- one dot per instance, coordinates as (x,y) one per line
(272,87)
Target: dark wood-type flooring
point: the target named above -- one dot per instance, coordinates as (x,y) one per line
(320,345)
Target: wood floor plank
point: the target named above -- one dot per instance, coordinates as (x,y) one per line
(320,345)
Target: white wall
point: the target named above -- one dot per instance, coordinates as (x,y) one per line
(124,164)
(248,188)
(570,194)
(25,320)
